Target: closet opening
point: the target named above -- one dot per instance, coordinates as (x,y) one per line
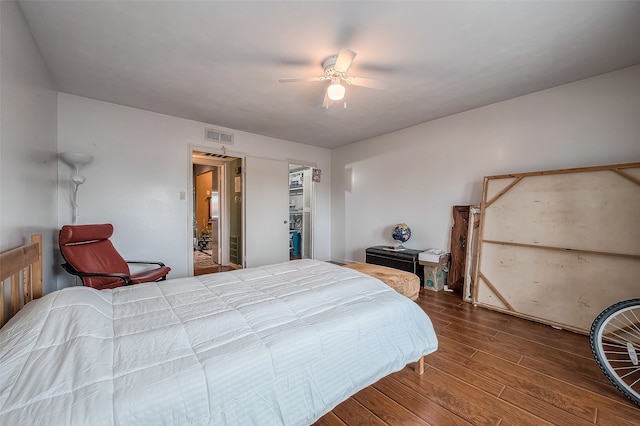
(301,211)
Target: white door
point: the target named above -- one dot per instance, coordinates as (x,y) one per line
(266,211)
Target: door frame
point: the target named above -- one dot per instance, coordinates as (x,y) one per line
(224,198)
(312,202)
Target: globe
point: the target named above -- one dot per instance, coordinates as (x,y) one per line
(401,233)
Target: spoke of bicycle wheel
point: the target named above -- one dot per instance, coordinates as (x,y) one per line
(626,325)
(635,383)
(633,324)
(623,330)
(622,376)
(632,385)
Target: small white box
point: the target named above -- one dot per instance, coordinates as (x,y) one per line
(432,256)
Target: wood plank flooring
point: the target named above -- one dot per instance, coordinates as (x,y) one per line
(203,263)
(491,369)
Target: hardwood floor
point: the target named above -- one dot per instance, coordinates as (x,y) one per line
(211,269)
(491,369)
(203,263)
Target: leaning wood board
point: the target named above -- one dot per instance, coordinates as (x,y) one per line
(560,246)
(471,253)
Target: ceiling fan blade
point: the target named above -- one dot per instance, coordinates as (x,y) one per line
(345,58)
(365,82)
(295,80)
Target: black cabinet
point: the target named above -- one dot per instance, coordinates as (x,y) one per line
(405,260)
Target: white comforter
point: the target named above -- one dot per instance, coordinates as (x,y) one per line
(281,344)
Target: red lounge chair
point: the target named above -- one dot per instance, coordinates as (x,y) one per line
(89,254)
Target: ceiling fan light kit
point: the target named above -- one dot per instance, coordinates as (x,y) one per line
(336,91)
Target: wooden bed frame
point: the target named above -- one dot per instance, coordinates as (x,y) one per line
(21,265)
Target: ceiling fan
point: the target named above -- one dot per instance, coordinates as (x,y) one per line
(335,71)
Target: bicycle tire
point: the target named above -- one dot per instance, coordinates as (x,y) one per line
(615,343)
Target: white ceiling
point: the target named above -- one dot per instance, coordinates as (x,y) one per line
(219,62)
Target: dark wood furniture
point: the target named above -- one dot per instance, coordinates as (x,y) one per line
(458,247)
(405,260)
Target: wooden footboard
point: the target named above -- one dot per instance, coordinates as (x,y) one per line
(21,265)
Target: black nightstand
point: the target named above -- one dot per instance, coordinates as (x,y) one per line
(405,260)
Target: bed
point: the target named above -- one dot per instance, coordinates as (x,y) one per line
(279,344)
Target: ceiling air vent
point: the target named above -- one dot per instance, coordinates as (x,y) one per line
(218,136)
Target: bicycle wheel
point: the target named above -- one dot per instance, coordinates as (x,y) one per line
(615,343)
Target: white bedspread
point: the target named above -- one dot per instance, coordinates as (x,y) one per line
(281,344)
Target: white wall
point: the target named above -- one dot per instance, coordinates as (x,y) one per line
(28,114)
(417,174)
(141,165)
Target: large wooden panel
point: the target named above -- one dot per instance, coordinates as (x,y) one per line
(560,246)
(590,211)
(563,287)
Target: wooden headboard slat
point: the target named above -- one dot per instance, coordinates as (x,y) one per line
(26,285)
(15,294)
(1,305)
(36,270)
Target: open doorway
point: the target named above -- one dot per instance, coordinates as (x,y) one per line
(216,220)
(207,207)
(301,211)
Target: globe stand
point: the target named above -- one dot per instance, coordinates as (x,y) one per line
(398,246)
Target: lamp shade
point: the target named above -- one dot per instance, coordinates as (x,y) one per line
(335,91)
(76,159)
